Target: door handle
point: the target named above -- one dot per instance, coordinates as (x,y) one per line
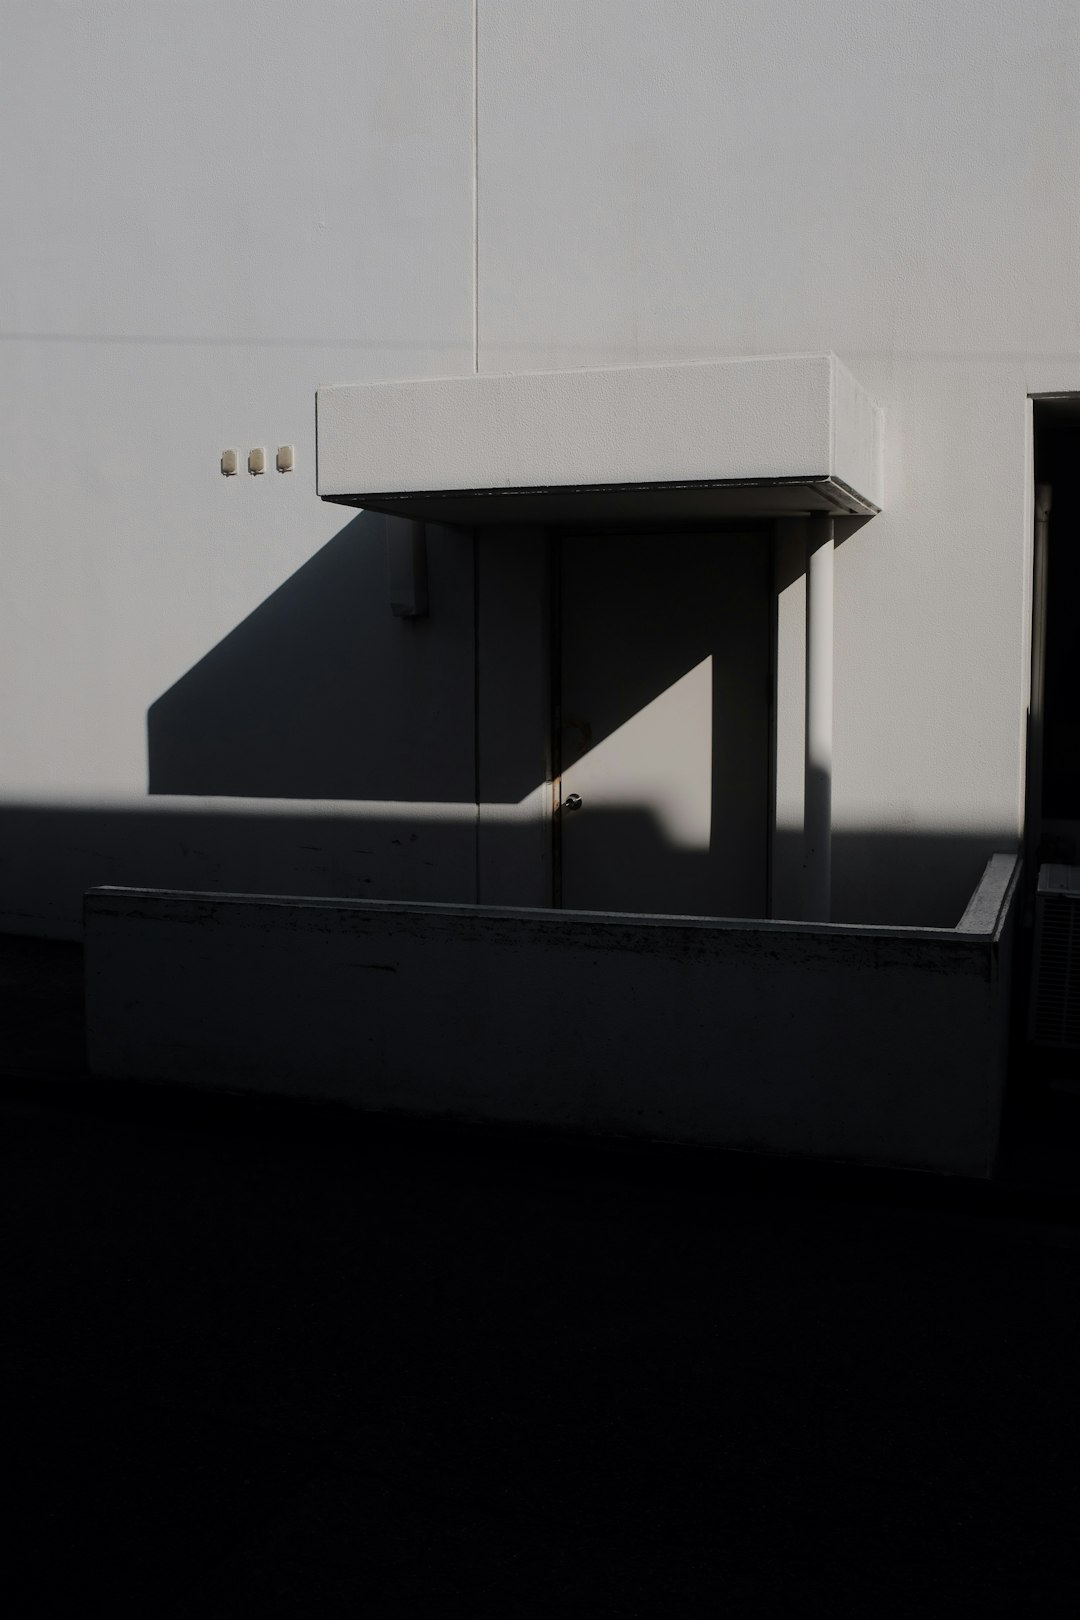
(572,802)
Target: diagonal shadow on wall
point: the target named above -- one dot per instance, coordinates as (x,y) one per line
(321,693)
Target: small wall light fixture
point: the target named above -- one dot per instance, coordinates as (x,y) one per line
(229,461)
(256,461)
(406,561)
(286,458)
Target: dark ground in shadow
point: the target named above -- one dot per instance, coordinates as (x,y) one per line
(275,1361)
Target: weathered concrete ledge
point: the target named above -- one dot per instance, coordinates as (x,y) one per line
(870,1044)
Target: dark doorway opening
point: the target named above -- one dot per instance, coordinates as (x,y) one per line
(1057,465)
(1047,984)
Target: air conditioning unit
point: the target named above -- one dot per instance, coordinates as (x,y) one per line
(1054,1009)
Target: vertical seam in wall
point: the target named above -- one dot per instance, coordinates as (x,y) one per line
(475,186)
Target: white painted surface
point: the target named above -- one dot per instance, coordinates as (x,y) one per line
(198,233)
(789,719)
(665,722)
(779,417)
(208,209)
(657,763)
(768,1036)
(892,182)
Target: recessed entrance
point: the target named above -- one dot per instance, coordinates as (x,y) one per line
(663,722)
(668,784)
(1050,966)
(1057,470)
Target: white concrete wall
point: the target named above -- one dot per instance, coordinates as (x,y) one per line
(776,1036)
(778,417)
(211,209)
(895,182)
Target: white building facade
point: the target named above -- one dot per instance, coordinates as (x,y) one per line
(212,211)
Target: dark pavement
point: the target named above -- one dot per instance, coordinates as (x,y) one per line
(262,1360)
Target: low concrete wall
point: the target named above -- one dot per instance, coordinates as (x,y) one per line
(867,1044)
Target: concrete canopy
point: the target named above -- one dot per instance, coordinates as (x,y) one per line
(682,444)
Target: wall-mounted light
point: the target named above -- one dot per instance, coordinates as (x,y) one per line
(406,561)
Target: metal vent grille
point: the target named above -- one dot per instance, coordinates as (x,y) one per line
(1055,1001)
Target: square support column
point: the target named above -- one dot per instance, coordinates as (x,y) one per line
(817,812)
